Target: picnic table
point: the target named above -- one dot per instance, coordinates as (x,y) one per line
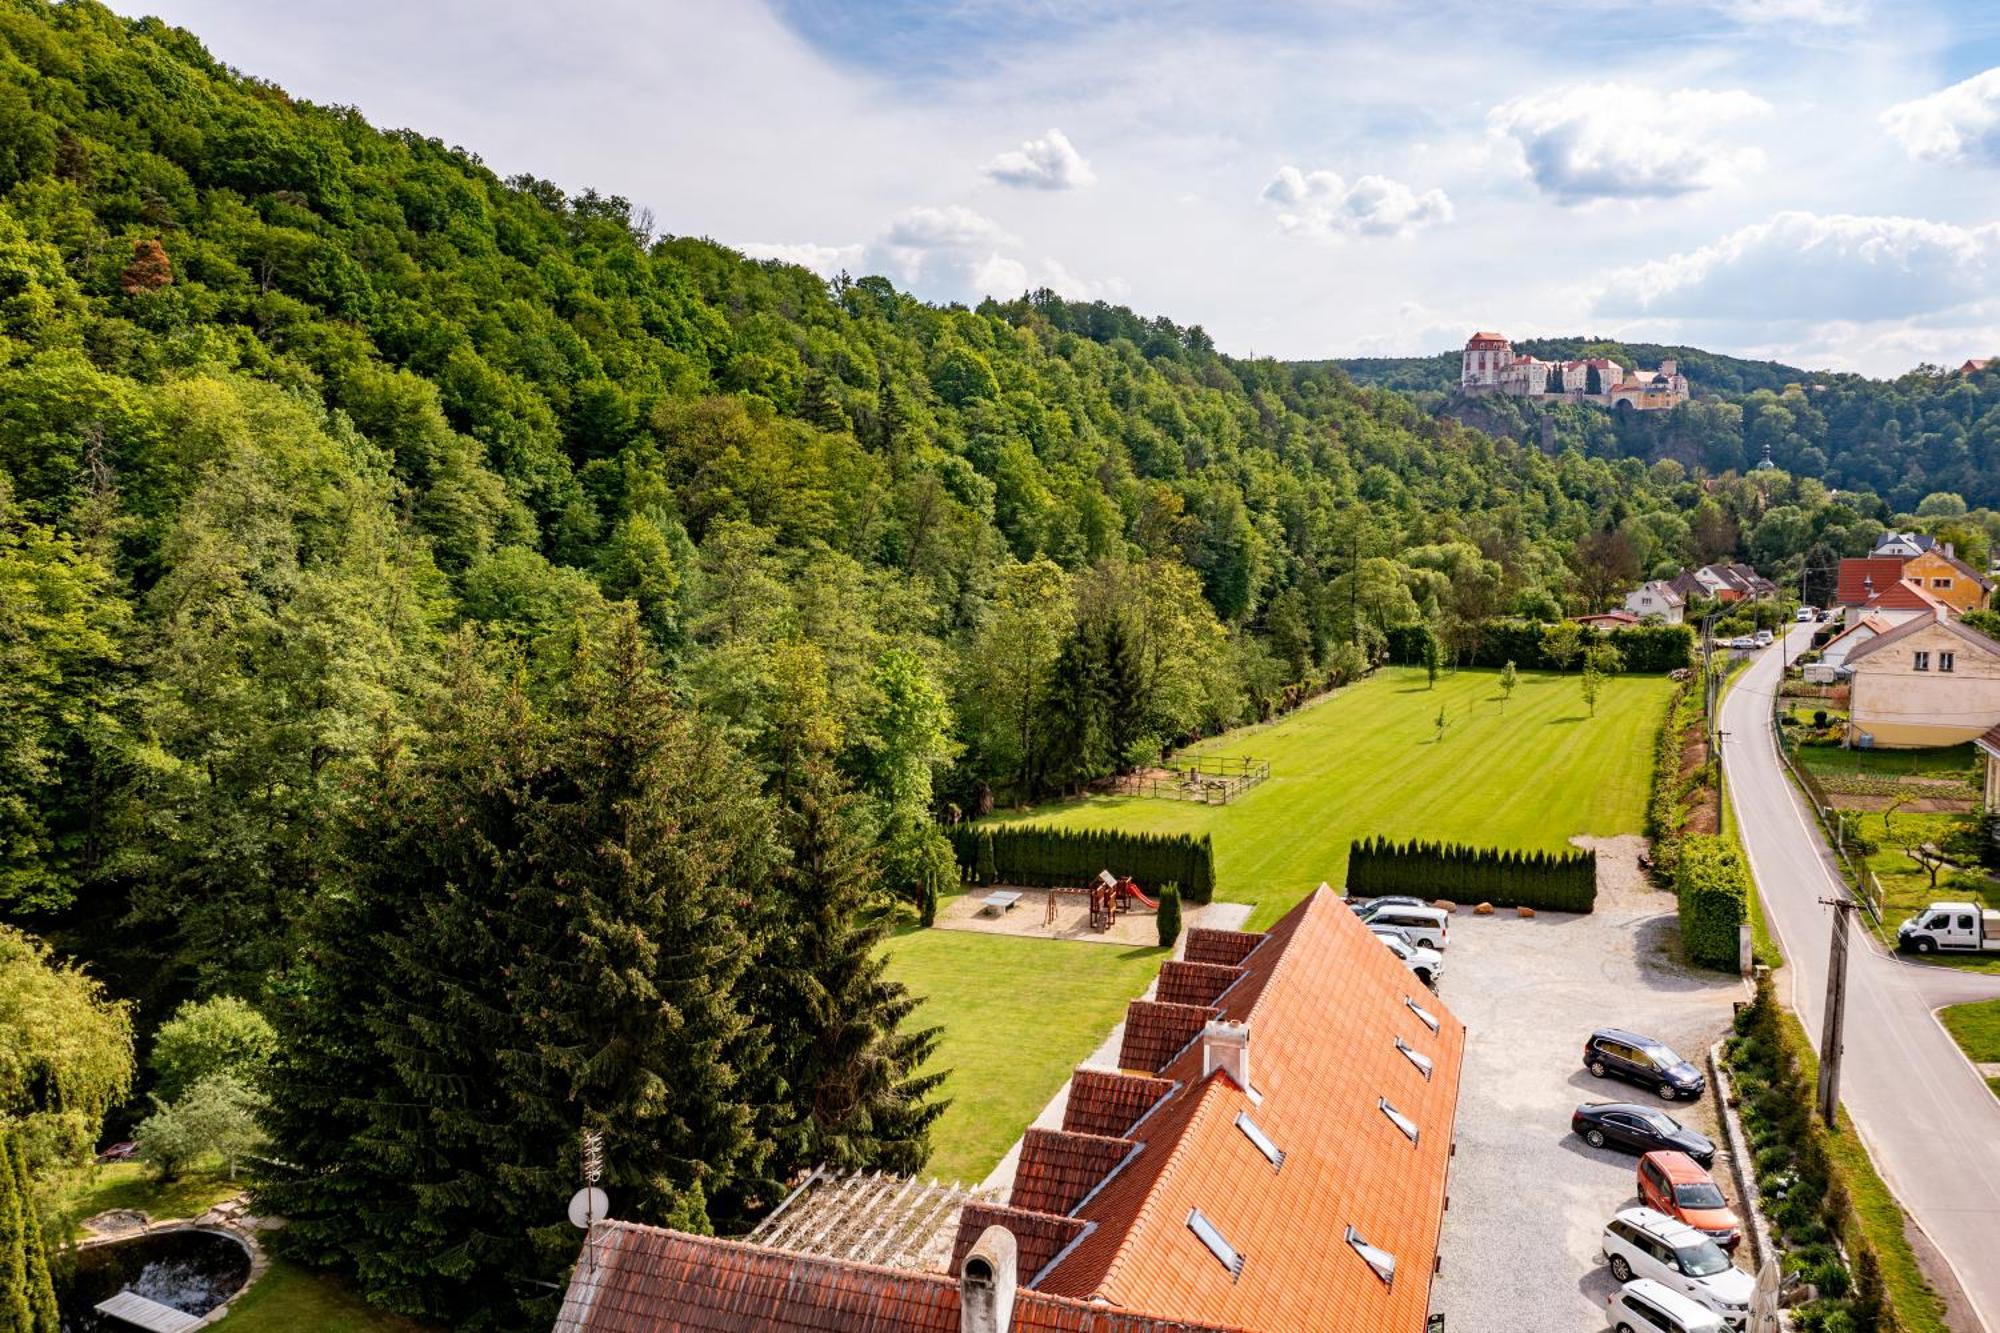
(1002,900)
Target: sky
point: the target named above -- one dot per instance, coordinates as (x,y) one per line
(1815,181)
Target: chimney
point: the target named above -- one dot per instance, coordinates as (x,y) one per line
(1948,552)
(1226,1046)
(986,1283)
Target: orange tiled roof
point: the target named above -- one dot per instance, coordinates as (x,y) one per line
(1346,1163)
(1194,983)
(1155,1033)
(1103,1102)
(1903,595)
(1854,586)
(640,1279)
(1058,1168)
(1228,947)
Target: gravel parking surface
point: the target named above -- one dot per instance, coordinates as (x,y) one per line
(1529,1200)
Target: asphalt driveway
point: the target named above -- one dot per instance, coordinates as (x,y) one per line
(1529,1200)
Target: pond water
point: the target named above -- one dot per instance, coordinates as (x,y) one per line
(193,1271)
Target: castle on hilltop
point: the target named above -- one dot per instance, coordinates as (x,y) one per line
(1490,366)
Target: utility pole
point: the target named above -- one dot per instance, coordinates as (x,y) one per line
(1835,1021)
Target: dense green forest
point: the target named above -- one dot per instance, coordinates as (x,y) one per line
(524,659)
(1929,431)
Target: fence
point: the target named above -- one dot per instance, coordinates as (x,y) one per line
(1860,879)
(1210,781)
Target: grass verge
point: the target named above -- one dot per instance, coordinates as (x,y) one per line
(1976,1029)
(290,1297)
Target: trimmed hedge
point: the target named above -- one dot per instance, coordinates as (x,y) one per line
(1667,811)
(1551,881)
(1036,856)
(1713,887)
(1647,649)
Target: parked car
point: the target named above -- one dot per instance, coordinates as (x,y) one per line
(1762,638)
(1616,1053)
(1428,964)
(1674,1184)
(1642,1243)
(118,1152)
(1643,1305)
(1427,927)
(1806,615)
(1956,927)
(1638,1128)
(1742,641)
(1364,905)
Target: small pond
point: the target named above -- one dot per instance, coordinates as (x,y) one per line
(190,1270)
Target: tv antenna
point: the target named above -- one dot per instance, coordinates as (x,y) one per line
(590,1204)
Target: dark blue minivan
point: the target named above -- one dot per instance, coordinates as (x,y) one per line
(1616,1053)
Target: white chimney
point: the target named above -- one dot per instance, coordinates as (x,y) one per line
(986,1283)
(1226,1046)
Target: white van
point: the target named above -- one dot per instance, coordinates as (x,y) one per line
(1643,1305)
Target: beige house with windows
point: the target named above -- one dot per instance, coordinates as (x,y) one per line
(1929,681)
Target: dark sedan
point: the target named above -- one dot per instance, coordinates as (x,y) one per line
(1640,1129)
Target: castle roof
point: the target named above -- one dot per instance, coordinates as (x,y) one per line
(1485,340)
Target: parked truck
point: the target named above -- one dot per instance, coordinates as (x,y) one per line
(1951,927)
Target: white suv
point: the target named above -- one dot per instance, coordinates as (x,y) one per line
(1643,1305)
(1640,1242)
(1426,927)
(1428,964)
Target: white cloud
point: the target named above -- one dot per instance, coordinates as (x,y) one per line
(1807,267)
(1621,141)
(1048,163)
(1322,205)
(1956,124)
(825,260)
(1824,13)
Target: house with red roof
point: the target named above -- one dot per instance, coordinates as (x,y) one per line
(1249,1165)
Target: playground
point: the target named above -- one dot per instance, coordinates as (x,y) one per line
(1120,913)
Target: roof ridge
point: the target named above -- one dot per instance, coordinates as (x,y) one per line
(1308,908)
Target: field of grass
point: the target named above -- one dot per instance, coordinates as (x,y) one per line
(131,1185)
(1952,762)
(1906,887)
(1528,772)
(1976,1029)
(1018,1015)
(289,1297)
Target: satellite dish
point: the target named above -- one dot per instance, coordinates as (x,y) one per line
(590,1205)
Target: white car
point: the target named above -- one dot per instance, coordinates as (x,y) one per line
(1428,964)
(1425,927)
(1805,615)
(1763,638)
(1643,1305)
(1640,1242)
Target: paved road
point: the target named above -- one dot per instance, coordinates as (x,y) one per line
(1930,1123)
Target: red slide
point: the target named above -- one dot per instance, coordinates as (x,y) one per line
(1130,889)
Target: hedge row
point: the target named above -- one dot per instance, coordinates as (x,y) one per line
(1666,811)
(1646,648)
(1036,856)
(1554,881)
(1713,888)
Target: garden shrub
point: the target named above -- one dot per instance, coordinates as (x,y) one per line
(1713,888)
(1036,856)
(1169,919)
(1552,881)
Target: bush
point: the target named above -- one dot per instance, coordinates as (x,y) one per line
(1169,919)
(223,1035)
(1551,881)
(1713,887)
(1038,857)
(986,873)
(217,1116)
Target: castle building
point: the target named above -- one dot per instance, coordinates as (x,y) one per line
(1491,366)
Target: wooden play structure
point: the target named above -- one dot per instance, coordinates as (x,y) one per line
(1109,896)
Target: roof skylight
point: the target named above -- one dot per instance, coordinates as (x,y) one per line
(1429,1018)
(1383,1262)
(1220,1248)
(1416,1057)
(1398,1119)
(1252,1132)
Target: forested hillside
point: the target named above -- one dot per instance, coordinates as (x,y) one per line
(1930,431)
(523,655)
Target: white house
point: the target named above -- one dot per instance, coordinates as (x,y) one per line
(1656,598)
(1834,656)
(1906,544)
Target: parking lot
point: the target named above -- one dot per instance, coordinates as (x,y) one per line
(1529,1200)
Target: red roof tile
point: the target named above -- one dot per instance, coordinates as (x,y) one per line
(1058,1168)
(1990,742)
(1228,947)
(1902,595)
(1854,590)
(1103,1102)
(1040,1236)
(1155,1033)
(1194,983)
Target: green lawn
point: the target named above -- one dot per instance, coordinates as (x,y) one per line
(1976,1029)
(289,1297)
(1367,760)
(132,1185)
(1951,762)
(1018,1015)
(1906,888)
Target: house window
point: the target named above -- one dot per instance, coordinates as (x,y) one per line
(1946,661)
(1377,1258)
(1940,583)
(1921,661)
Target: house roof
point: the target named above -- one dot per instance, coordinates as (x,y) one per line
(1990,742)
(1483,339)
(1855,575)
(1872,623)
(1318,1099)
(1617,617)
(1923,541)
(1917,624)
(1663,590)
(1904,595)
(1960,566)
(640,1279)
(1103,1211)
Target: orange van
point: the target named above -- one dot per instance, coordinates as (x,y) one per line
(1671,1183)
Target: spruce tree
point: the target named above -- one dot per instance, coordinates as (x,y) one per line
(38,1290)
(15,1313)
(1075,740)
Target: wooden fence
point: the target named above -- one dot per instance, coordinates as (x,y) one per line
(1208,781)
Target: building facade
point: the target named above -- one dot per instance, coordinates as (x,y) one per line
(1929,681)
(1490,365)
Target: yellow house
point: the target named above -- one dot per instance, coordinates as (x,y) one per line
(1947,578)
(1929,681)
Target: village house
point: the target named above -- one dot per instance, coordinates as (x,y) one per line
(1920,559)
(1733,582)
(1988,748)
(1928,681)
(1254,1163)
(1656,598)
(1939,572)
(1607,620)
(1490,365)
(1834,655)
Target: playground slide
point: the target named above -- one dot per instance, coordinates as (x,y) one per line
(1150,904)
